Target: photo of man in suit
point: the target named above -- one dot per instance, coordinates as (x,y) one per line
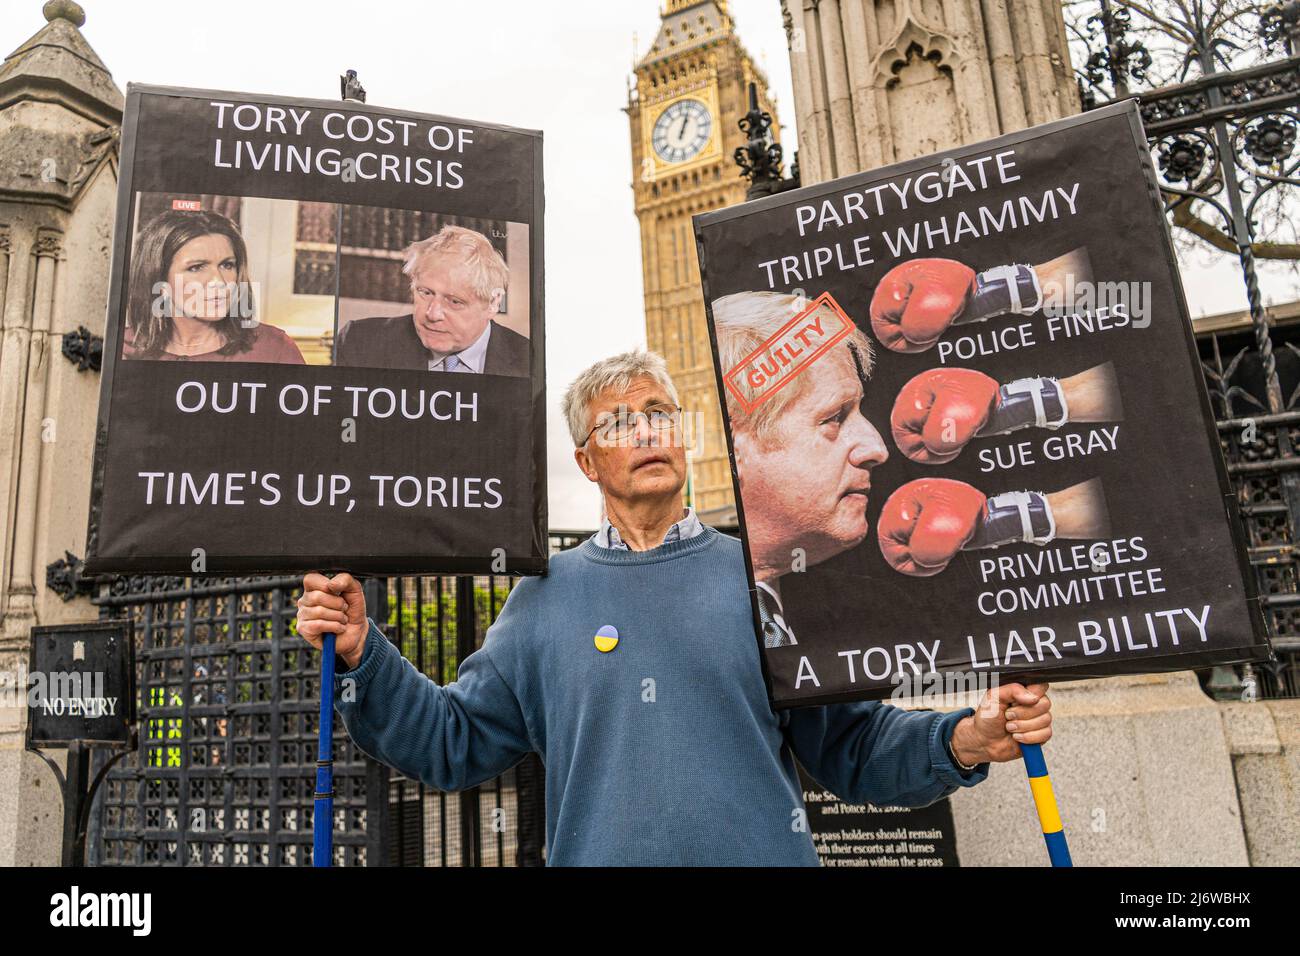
(804,455)
(457,283)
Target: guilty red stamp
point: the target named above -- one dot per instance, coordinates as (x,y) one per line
(789,351)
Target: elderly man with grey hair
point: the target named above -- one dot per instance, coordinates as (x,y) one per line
(633,670)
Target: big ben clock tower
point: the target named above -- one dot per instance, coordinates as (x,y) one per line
(692,88)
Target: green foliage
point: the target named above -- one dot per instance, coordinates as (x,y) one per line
(417,626)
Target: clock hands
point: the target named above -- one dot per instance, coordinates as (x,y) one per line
(678,141)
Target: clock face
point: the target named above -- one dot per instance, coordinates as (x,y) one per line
(682,130)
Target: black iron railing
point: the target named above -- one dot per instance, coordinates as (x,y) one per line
(223,771)
(222,774)
(1224,146)
(1262,451)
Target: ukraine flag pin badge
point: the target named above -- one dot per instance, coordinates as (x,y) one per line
(606,638)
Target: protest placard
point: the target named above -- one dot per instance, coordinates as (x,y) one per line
(968,426)
(324,345)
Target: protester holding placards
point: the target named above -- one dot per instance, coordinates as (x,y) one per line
(632,669)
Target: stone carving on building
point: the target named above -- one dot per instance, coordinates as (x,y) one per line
(84,349)
(881,81)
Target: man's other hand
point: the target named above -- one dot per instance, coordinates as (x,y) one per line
(334,606)
(1008,716)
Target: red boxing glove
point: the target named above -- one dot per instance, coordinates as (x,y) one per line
(939,411)
(916,302)
(926,522)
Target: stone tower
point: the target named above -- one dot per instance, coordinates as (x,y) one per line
(60,115)
(692,88)
(880,81)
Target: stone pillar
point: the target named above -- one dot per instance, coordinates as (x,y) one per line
(20,606)
(1264,740)
(1142,774)
(60,114)
(880,81)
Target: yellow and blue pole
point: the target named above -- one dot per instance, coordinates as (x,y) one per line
(1040,785)
(322,852)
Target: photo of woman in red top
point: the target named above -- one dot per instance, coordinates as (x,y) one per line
(190,298)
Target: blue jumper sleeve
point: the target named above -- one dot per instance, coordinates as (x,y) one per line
(449,737)
(871,752)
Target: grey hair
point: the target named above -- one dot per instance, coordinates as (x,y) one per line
(489,272)
(744,321)
(614,373)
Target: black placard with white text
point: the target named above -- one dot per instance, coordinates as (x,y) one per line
(865,835)
(968,427)
(324,346)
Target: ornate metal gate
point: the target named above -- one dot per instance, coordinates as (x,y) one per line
(223,771)
(1262,451)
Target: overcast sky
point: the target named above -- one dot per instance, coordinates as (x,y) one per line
(561,66)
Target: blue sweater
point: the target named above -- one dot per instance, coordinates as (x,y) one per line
(665,749)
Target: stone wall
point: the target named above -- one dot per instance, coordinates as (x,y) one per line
(59,126)
(880,81)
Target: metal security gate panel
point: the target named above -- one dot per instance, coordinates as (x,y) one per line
(1262,451)
(223,773)
(224,768)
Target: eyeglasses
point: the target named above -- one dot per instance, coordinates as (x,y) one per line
(622,424)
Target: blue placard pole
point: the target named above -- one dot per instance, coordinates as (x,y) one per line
(1040,785)
(322,853)
(323,818)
